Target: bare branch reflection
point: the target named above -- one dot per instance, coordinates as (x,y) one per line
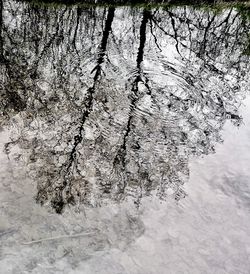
(106,104)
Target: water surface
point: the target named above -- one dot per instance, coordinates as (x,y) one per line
(117,113)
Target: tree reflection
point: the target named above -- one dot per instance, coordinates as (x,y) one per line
(106,104)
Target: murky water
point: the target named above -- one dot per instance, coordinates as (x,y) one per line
(120,114)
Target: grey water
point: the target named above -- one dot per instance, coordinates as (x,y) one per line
(133,108)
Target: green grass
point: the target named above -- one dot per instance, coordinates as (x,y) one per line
(241,5)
